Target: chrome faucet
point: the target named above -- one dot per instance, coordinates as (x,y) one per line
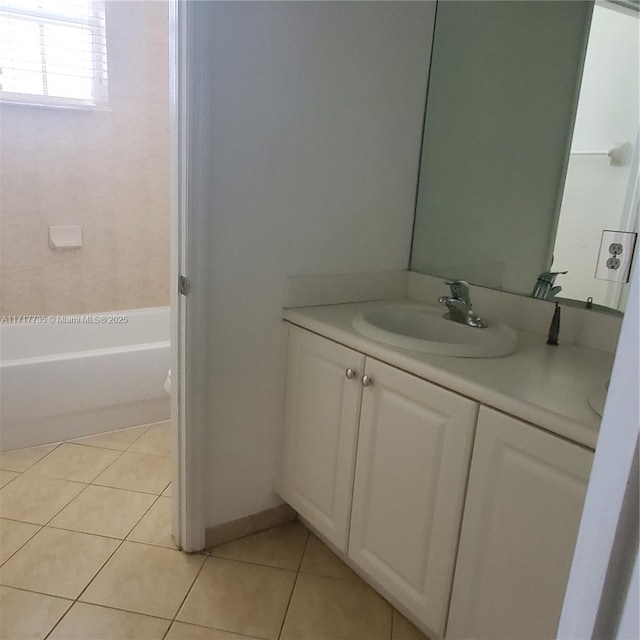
(544,287)
(459,305)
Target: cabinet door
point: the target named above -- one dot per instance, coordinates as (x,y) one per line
(413,460)
(521,519)
(321,427)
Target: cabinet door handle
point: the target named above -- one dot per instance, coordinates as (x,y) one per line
(366,381)
(350,373)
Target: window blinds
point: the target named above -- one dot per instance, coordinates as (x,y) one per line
(53,52)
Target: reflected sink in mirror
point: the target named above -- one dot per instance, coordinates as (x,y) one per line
(423,328)
(597,396)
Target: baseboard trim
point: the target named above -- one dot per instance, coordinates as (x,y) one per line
(242,527)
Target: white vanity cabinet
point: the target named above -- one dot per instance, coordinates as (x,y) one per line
(522,513)
(413,441)
(464,515)
(321,427)
(414,448)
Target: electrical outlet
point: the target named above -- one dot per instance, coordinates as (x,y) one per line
(616,254)
(615,248)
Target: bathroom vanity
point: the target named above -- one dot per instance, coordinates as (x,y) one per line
(453,485)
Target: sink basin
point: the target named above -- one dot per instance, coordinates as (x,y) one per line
(422,328)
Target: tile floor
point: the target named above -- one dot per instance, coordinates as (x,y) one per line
(86,554)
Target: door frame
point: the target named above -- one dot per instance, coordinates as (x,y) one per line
(188,528)
(599,599)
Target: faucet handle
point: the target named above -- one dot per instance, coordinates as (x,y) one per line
(550,276)
(460,291)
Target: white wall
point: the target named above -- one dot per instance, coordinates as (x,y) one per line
(310,118)
(608,106)
(594,190)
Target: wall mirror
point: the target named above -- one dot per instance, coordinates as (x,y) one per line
(530,145)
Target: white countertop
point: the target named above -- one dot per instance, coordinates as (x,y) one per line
(545,385)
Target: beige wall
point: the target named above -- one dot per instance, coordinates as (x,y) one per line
(105,170)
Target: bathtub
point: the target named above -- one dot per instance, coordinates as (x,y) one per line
(63,377)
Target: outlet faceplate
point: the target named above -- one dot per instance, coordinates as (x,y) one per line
(616,254)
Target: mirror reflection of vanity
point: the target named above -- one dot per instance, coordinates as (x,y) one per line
(530,145)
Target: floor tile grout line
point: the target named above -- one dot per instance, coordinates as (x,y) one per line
(121,540)
(86,485)
(316,574)
(286,611)
(93,480)
(295,582)
(173,620)
(112,608)
(95,575)
(61,508)
(82,481)
(97,535)
(73,602)
(233,633)
(41,527)
(93,446)
(175,615)
(103,606)
(6,484)
(136,613)
(255,564)
(94,483)
(59,620)
(46,524)
(126,538)
(102,566)
(108,486)
(33,524)
(100,535)
(271,566)
(57,444)
(143,453)
(86,446)
(104,433)
(30,474)
(306,544)
(74,441)
(162,494)
(40,593)
(152,424)
(116,460)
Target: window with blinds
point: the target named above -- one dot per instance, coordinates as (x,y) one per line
(53,52)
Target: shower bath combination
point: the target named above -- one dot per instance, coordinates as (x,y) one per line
(78,375)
